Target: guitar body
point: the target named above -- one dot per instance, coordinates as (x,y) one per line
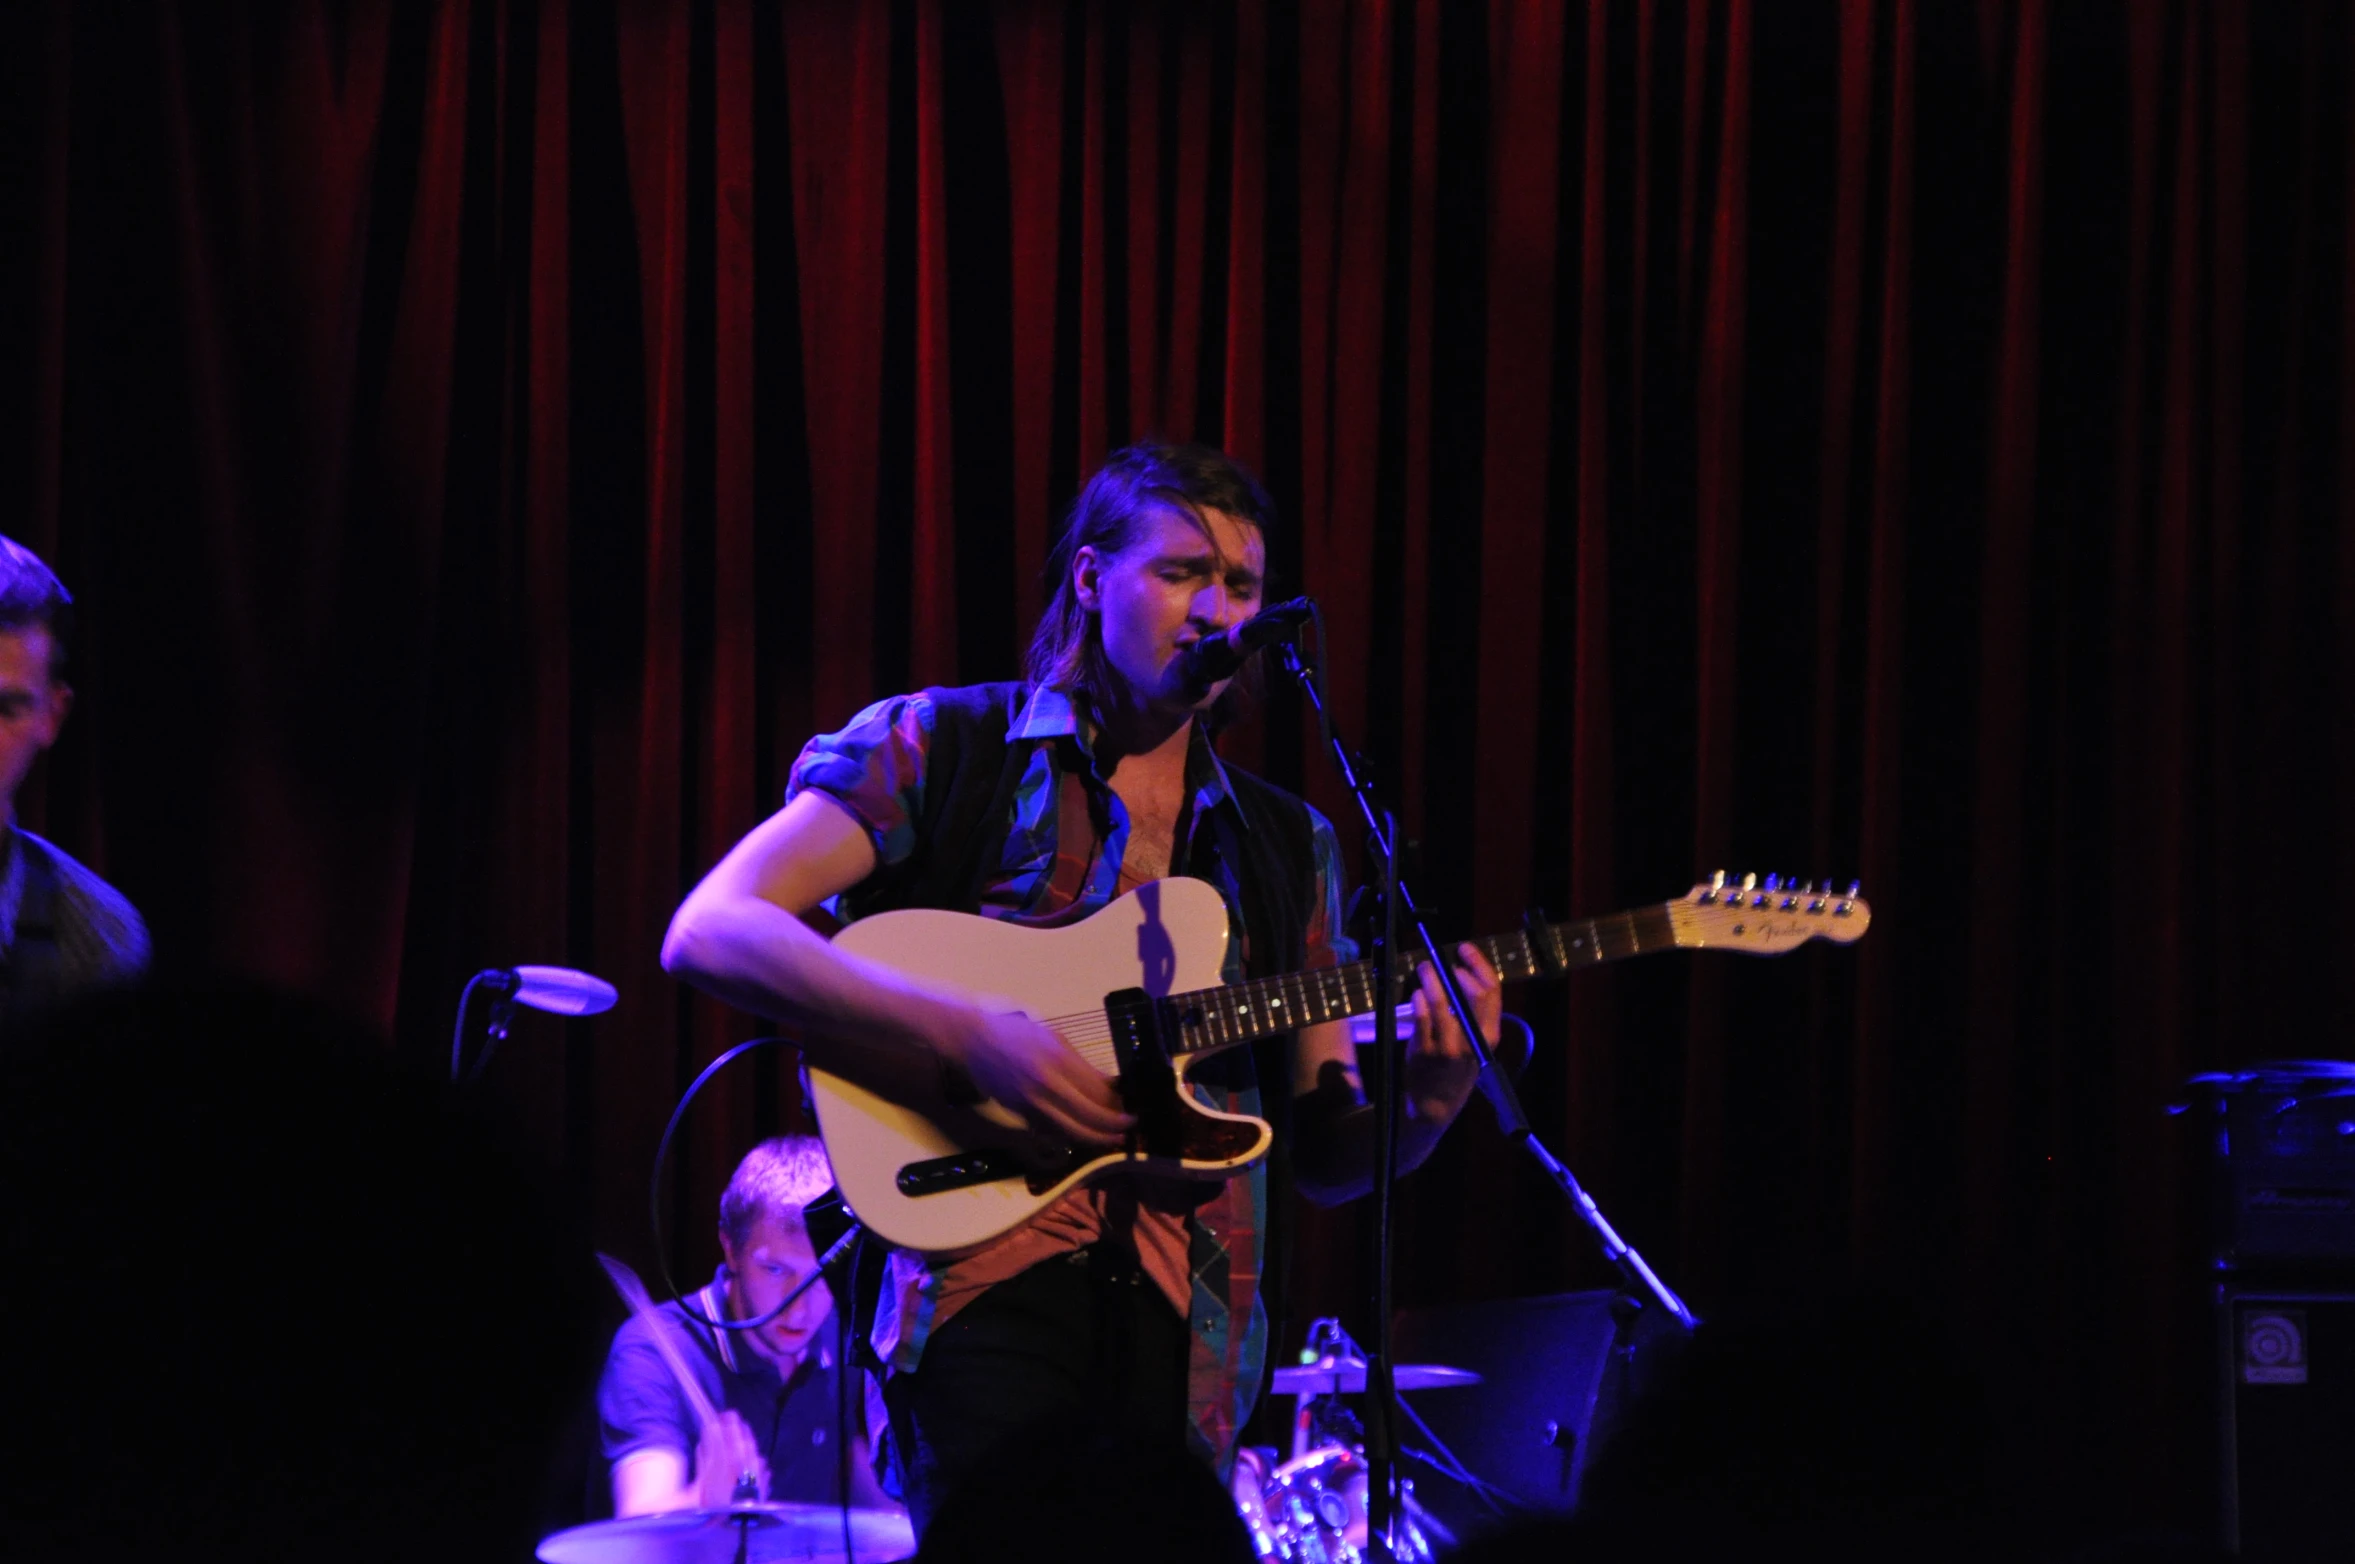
(1167,937)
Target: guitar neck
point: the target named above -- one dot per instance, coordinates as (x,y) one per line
(1214,1018)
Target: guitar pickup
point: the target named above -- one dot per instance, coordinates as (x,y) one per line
(939,1175)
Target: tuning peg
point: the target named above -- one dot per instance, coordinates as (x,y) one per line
(1749,882)
(1855,889)
(1774,882)
(1717,880)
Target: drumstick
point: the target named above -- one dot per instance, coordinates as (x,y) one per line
(633,1293)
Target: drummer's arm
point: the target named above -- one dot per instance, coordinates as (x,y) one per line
(653,1480)
(650,1482)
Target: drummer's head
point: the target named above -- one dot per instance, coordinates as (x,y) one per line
(766,1242)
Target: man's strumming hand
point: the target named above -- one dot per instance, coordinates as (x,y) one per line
(1023,1065)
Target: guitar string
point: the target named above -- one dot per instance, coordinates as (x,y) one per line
(1089,1032)
(1351,978)
(1523,964)
(1081,1028)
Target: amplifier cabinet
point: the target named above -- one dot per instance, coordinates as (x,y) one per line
(2286,1175)
(2288,1413)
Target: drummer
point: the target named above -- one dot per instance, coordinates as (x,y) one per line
(778,1388)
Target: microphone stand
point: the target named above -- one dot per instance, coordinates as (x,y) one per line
(1385,1084)
(501,982)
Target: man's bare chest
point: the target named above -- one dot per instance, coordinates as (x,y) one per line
(1153,806)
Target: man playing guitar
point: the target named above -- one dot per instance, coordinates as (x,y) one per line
(1133,1301)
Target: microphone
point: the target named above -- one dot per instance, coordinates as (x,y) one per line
(558,990)
(1216,657)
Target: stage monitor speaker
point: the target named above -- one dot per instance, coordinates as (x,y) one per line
(2288,1423)
(1554,1373)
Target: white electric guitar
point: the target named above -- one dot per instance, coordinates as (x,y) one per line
(1135,989)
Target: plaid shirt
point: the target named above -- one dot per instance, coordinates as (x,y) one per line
(1054,860)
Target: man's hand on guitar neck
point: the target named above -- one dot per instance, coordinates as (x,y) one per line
(1441,1068)
(1334,1129)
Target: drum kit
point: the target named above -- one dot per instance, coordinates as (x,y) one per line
(1310,1509)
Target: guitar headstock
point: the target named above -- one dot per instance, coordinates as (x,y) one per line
(1766,919)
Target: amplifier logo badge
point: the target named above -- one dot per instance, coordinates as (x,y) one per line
(2273,1347)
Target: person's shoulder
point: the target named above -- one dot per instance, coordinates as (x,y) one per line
(635,1352)
(920,713)
(638,1329)
(974,704)
(91,911)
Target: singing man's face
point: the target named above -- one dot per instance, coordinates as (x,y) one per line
(32,705)
(1173,584)
(771,1262)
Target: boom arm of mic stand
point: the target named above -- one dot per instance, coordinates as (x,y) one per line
(1512,1118)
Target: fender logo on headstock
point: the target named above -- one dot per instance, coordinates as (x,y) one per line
(1767,918)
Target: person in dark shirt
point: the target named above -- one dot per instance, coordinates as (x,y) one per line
(63,930)
(783,1408)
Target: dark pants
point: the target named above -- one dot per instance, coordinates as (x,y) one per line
(1084,1337)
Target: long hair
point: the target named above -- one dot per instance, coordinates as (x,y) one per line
(1067,650)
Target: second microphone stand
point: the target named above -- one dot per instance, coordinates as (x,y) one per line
(1385,1086)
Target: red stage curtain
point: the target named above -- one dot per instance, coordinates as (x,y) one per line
(1863,438)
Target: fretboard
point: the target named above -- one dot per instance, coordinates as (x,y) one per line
(1212,1018)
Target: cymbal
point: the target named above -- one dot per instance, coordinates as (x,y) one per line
(1347,1377)
(771,1533)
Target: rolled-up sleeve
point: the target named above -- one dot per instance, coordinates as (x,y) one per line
(639,1404)
(875,769)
